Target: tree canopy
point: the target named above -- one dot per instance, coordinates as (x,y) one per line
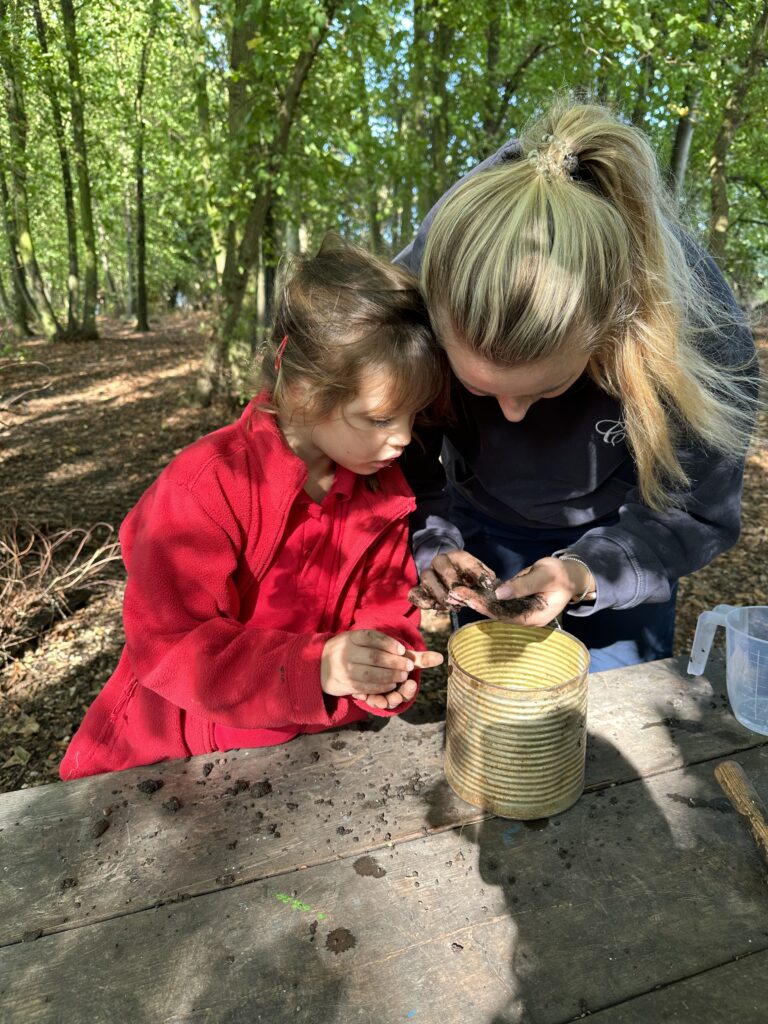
(167,151)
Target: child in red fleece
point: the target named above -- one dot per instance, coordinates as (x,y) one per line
(268,565)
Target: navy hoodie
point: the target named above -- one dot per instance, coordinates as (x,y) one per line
(567,464)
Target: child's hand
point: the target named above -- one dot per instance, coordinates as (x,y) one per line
(372,666)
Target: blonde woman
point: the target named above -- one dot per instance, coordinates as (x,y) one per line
(604,389)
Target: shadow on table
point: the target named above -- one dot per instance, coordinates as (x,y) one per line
(579,889)
(187,967)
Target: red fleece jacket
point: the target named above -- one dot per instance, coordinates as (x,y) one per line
(196,544)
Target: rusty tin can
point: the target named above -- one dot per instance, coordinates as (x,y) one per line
(516,723)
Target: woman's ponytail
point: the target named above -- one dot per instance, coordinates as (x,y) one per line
(575,246)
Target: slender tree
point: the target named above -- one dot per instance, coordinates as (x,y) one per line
(52,92)
(18,198)
(203,108)
(734,113)
(261,163)
(18,305)
(142,316)
(80,151)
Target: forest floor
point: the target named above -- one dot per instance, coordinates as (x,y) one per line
(84,429)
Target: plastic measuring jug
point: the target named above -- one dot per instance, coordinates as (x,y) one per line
(746,653)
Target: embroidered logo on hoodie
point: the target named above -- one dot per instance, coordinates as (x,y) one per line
(613,432)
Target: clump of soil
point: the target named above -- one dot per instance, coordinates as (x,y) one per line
(149,786)
(99,828)
(367,867)
(240,786)
(484,586)
(340,940)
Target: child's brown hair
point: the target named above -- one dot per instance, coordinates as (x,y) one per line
(345,314)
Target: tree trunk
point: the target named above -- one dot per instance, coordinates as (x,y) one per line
(117,306)
(73,275)
(142,322)
(130,289)
(77,109)
(243,247)
(142,315)
(418,128)
(441,62)
(20,306)
(17,186)
(496,114)
(368,162)
(640,109)
(402,190)
(204,125)
(681,147)
(733,116)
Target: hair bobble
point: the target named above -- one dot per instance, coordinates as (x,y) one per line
(279,353)
(557,160)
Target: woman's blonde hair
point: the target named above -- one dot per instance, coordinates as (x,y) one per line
(575,245)
(345,314)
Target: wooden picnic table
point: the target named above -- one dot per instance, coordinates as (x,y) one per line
(339,880)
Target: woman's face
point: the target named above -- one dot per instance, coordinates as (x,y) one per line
(515,388)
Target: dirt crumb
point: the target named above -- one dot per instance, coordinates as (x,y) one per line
(367,867)
(99,828)
(150,785)
(340,940)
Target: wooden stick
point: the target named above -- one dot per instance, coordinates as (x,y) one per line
(742,794)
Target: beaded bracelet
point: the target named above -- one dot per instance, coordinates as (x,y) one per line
(588,588)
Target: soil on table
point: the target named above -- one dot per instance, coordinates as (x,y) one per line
(98,422)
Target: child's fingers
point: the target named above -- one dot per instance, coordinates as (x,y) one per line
(408,689)
(369,680)
(425,659)
(377,700)
(381,652)
(372,638)
(370,657)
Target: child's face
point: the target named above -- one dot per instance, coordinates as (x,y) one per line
(366,434)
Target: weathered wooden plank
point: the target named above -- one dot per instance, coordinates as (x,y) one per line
(331,795)
(636,887)
(736,993)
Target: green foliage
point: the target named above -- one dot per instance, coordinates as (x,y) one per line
(402,97)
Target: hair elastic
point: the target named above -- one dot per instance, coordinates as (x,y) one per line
(553,164)
(279,353)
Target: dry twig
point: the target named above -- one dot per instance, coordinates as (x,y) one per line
(44,578)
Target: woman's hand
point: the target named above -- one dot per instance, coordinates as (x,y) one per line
(534,597)
(373,667)
(556,582)
(446,573)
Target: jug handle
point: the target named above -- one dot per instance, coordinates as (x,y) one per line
(705,634)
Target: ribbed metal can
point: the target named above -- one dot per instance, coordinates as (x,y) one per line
(516,722)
